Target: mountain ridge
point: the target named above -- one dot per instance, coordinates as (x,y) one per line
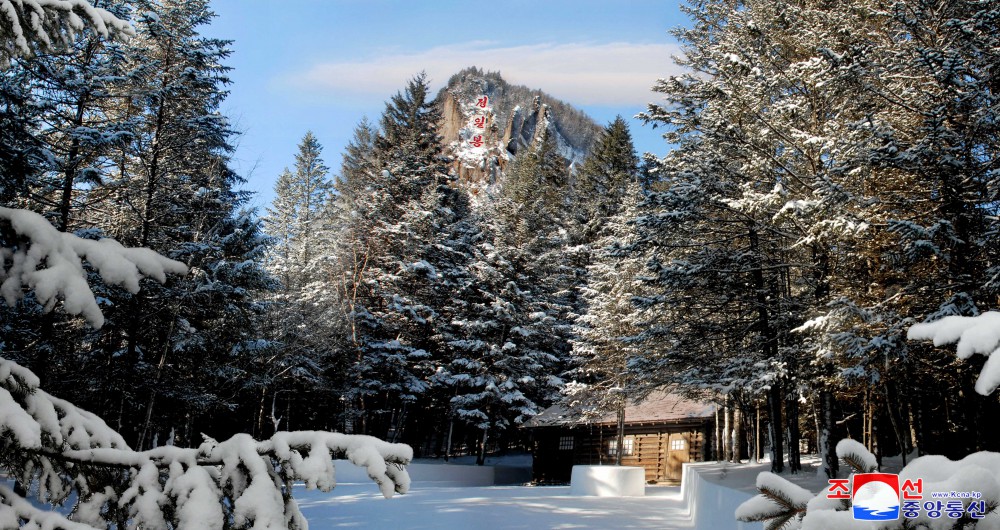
(511,118)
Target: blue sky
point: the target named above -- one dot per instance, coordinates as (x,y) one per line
(322,65)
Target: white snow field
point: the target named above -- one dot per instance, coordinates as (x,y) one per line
(495,507)
(437,501)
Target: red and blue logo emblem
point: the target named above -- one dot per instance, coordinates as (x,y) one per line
(875,497)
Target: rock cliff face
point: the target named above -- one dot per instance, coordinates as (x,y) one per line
(486,122)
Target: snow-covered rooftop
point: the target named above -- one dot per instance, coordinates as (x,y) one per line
(658,407)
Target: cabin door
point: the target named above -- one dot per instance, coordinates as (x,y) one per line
(678,453)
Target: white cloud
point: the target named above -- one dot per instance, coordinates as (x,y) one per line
(617,73)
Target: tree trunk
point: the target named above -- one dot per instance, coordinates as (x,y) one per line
(156,385)
(774,400)
(447,448)
(769,344)
(69,173)
(827,452)
(896,425)
(727,428)
(734,436)
(260,413)
(481,450)
(757,453)
(794,460)
(717,434)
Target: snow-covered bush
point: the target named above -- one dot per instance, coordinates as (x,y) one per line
(782,504)
(68,455)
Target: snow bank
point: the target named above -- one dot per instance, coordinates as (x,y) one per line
(608,481)
(461,471)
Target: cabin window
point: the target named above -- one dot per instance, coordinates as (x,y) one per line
(565,443)
(677,444)
(628,446)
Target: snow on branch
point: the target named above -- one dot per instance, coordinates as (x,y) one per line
(857,456)
(49,262)
(50,24)
(978,334)
(59,448)
(780,502)
(785,505)
(14,509)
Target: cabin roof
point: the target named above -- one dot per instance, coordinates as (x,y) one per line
(658,407)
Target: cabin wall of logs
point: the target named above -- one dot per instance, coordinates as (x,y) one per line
(660,448)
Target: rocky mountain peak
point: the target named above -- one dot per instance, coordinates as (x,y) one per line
(487,122)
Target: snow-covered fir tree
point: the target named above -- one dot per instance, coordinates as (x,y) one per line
(519,323)
(810,200)
(79,91)
(400,232)
(608,336)
(498,372)
(174,356)
(600,184)
(302,316)
(296,216)
(607,192)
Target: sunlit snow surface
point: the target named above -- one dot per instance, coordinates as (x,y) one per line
(489,508)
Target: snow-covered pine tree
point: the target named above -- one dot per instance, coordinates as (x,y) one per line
(79,91)
(170,357)
(359,159)
(76,91)
(402,232)
(787,128)
(281,224)
(607,338)
(311,188)
(607,193)
(515,332)
(302,318)
(600,183)
(540,236)
(937,139)
(498,373)
(720,308)
(859,163)
(352,248)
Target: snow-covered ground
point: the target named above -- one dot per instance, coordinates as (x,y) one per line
(489,508)
(706,501)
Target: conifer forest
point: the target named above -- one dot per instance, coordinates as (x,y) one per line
(828,187)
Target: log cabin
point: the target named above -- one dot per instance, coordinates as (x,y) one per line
(662,432)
